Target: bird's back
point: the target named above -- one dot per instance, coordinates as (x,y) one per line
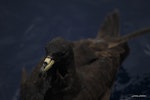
(96,70)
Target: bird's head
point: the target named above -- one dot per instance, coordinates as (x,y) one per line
(58,54)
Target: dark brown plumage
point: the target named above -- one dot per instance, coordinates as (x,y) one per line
(80,70)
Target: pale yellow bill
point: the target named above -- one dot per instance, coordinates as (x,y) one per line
(49,65)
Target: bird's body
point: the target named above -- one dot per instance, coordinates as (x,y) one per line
(80,70)
(96,69)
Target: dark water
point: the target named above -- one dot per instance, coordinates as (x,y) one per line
(26,26)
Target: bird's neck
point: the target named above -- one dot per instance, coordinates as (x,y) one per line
(67,83)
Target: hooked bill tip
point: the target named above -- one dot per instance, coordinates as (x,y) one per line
(48,63)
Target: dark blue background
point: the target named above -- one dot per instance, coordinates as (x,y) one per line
(27,25)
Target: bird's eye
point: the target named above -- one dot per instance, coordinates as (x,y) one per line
(60,54)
